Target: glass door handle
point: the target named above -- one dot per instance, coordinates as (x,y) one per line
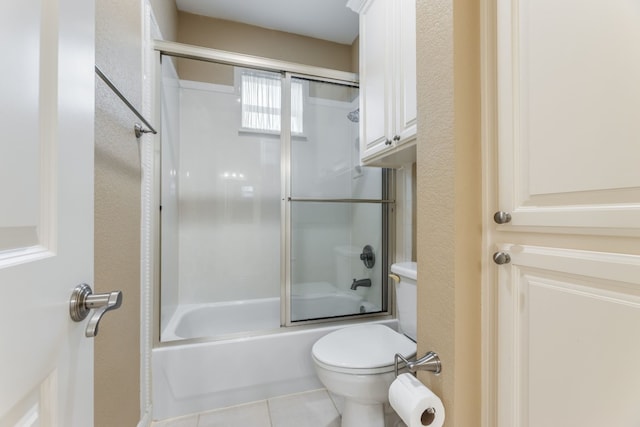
(83,300)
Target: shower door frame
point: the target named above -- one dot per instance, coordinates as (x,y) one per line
(387,199)
(288,71)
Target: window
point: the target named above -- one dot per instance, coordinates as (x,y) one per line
(261,99)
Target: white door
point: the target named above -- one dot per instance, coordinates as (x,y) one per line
(46,219)
(568,141)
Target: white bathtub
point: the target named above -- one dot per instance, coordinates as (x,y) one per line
(310,301)
(196,377)
(320,299)
(223,318)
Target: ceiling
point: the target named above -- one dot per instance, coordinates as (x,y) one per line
(322,19)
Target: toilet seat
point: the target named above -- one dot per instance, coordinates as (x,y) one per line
(362,349)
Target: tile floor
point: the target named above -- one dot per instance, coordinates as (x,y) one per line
(310,409)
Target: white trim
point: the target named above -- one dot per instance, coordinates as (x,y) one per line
(24,255)
(147,141)
(355,5)
(145,421)
(608,266)
(404,214)
(489,321)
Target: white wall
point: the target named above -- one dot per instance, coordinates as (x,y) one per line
(170,137)
(229,227)
(327,238)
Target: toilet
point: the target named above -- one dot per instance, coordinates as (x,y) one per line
(357,362)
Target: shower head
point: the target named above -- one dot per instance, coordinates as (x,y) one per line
(354,116)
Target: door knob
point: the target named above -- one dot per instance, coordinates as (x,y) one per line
(501,258)
(83,300)
(501,217)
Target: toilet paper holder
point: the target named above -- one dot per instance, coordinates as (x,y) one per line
(429,362)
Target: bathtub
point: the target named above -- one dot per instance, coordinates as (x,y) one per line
(315,300)
(193,377)
(310,301)
(223,318)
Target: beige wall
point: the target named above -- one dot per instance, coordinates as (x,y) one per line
(166,15)
(117,213)
(208,72)
(251,40)
(449,201)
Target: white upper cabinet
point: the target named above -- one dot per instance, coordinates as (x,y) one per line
(387,81)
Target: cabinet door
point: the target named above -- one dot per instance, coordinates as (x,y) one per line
(375,76)
(568,153)
(405,60)
(569,122)
(568,347)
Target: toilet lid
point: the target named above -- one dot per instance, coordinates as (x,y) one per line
(362,347)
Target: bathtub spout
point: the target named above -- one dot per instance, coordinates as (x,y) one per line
(362,282)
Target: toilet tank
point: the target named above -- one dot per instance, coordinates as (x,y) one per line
(406,297)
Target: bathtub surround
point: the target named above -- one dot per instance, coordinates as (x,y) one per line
(241,209)
(222,182)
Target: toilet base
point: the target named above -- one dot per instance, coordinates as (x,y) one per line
(356,414)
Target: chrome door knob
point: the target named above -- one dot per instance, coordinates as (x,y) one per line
(501,217)
(83,300)
(501,258)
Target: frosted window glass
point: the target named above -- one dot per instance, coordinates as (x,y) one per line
(262,102)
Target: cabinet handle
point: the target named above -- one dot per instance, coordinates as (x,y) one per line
(396,138)
(387,142)
(501,258)
(501,217)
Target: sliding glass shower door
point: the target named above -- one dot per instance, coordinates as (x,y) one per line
(338,209)
(267,218)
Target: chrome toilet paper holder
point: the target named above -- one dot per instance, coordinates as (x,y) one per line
(430,362)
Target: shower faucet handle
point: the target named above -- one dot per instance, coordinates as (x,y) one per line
(368,257)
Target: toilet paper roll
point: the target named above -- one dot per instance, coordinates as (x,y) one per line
(415,403)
